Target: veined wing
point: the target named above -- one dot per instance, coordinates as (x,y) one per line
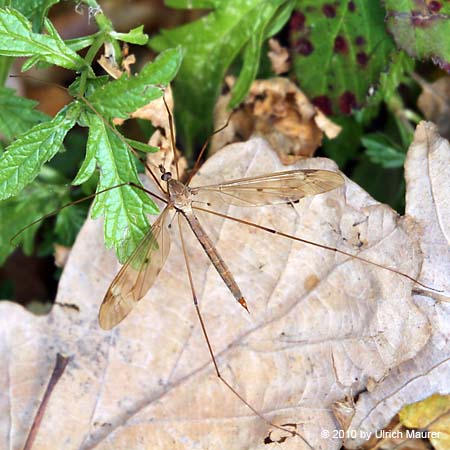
(276,188)
(137,275)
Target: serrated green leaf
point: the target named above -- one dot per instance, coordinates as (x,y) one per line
(422,33)
(33,10)
(142,147)
(118,99)
(30,63)
(211,44)
(125,207)
(339,50)
(87,167)
(23,159)
(31,204)
(381,150)
(17,113)
(134,36)
(17,39)
(78,44)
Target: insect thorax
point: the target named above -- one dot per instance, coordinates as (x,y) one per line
(179,194)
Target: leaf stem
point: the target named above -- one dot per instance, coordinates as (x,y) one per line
(93,49)
(105,26)
(5,65)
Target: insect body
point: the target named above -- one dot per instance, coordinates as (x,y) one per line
(181,199)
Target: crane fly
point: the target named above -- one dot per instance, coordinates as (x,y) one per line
(142,268)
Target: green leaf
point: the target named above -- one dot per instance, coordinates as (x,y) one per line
(211,44)
(92,84)
(125,207)
(31,62)
(17,39)
(252,55)
(134,36)
(87,168)
(118,99)
(69,221)
(34,10)
(382,151)
(78,44)
(23,159)
(17,113)
(422,33)
(339,51)
(142,147)
(31,204)
(279,19)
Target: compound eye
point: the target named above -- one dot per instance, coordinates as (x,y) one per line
(166,176)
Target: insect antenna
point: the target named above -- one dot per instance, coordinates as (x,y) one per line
(210,349)
(202,150)
(205,146)
(172,137)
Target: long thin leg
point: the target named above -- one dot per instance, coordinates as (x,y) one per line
(211,352)
(204,147)
(315,244)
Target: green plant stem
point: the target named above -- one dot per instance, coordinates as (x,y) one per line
(5,65)
(105,26)
(94,48)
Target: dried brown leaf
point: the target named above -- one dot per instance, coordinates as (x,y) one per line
(109,63)
(278,111)
(427,171)
(149,383)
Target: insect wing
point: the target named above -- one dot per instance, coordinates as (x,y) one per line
(281,187)
(136,276)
